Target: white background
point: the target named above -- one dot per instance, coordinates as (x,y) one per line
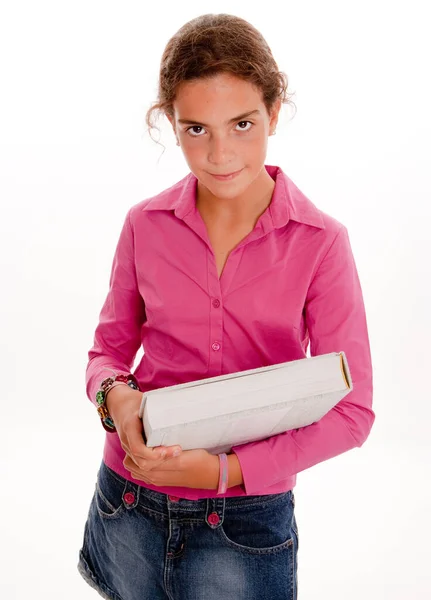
(76,80)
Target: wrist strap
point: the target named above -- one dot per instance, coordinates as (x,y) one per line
(114,385)
(222,483)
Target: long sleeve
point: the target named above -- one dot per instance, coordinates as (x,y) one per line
(335,316)
(118,335)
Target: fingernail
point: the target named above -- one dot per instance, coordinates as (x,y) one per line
(163,453)
(177,452)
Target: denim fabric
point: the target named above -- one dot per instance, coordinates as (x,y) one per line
(145,545)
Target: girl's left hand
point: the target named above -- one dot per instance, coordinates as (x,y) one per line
(192,469)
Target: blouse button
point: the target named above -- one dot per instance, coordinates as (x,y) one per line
(216,346)
(216,303)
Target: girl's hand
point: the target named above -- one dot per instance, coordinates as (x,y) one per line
(192,469)
(123,403)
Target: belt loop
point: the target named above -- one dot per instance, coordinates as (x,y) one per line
(215,512)
(131,494)
(219,506)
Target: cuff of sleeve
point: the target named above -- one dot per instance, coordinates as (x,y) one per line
(257,465)
(94,384)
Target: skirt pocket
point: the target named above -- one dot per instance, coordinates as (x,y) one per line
(108,496)
(265,527)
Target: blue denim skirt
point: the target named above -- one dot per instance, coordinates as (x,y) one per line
(140,544)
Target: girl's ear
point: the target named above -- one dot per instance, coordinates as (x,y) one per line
(274,115)
(171,121)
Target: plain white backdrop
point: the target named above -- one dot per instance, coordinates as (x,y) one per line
(76,80)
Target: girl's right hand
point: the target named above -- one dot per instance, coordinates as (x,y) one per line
(123,403)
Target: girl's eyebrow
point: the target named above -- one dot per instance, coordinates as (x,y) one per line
(238,118)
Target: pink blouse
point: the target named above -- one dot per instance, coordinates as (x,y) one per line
(290,284)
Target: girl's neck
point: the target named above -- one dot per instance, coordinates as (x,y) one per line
(245,208)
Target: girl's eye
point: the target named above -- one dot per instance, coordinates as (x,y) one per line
(194,127)
(242,128)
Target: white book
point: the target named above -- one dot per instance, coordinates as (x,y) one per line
(220,412)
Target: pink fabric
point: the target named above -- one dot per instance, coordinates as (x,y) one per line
(292,282)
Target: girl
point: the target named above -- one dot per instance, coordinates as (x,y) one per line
(231,268)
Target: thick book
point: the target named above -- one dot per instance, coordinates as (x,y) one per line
(220,412)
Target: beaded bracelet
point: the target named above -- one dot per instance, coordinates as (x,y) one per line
(106,385)
(222,484)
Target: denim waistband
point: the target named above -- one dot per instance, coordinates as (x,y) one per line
(135,494)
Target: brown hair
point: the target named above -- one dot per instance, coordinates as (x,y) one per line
(212,44)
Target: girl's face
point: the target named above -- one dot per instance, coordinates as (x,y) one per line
(222,126)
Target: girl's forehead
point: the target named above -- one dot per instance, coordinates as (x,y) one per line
(218,92)
(223,83)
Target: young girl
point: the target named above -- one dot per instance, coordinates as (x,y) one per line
(231,268)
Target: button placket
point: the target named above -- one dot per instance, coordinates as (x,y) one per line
(176,539)
(215,302)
